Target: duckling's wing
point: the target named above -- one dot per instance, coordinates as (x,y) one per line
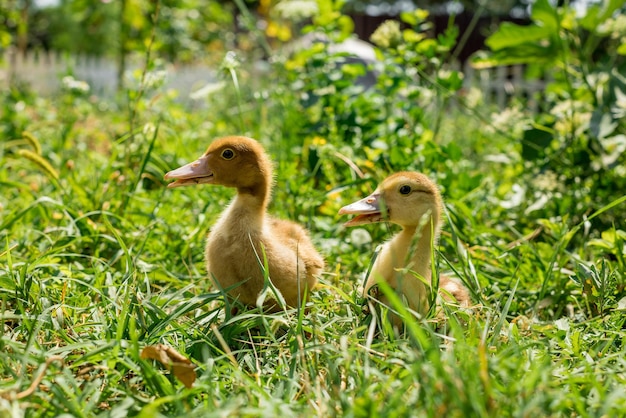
(298,240)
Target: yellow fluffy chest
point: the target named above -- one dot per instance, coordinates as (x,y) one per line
(233,250)
(408,274)
(244,249)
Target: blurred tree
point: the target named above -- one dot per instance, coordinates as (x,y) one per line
(9,20)
(77,26)
(185,29)
(188,28)
(22,27)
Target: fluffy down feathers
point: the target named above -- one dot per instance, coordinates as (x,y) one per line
(411,200)
(245,238)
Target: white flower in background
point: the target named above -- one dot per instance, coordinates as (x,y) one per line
(613,147)
(572,116)
(547,181)
(149,129)
(230,61)
(73,85)
(576,123)
(445,74)
(297,10)
(360,237)
(514,198)
(509,119)
(567,107)
(326,91)
(426,95)
(387,35)
(539,203)
(154,79)
(614,26)
(562,324)
(207,90)
(474,97)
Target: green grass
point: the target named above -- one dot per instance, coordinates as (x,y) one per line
(98,260)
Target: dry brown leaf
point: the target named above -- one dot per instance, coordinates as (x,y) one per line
(186,373)
(182,368)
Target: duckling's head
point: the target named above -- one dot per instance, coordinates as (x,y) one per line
(233,161)
(403,198)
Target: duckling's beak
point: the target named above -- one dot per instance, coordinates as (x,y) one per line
(368,210)
(197,172)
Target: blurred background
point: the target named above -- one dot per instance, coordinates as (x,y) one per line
(99,40)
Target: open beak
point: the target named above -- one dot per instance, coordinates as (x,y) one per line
(197,172)
(368,210)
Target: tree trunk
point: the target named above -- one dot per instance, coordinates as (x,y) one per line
(22,28)
(121,59)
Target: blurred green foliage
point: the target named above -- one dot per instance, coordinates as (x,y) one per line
(184,31)
(385,125)
(579,139)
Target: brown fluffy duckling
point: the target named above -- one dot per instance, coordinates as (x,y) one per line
(411,200)
(245,234)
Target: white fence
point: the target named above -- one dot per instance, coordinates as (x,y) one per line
(44,73)
(499,85)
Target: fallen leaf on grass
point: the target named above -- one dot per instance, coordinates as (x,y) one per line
(179,365)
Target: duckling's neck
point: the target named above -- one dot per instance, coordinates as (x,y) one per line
(257,194)
(250,205)
(412,248)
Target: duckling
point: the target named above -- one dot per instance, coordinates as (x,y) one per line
(411,200)
(245,235)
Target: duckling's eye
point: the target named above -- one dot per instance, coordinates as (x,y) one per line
(405,189)
(228,154)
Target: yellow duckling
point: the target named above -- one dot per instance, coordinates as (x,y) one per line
(245,234)
(411,200)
